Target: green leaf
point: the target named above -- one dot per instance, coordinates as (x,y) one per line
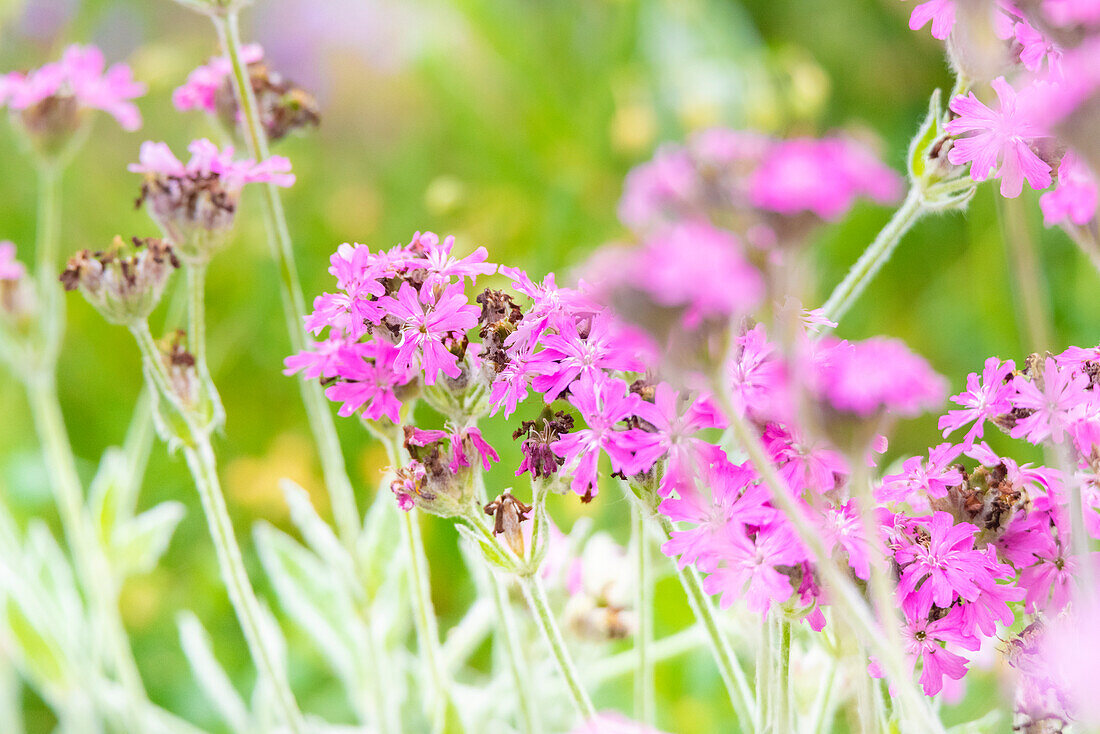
(137,545)
(930,131)
(211,676)
(40,655)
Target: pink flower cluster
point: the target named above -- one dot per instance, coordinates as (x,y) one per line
(1042,128)
(82,75)
(760,182)
(10,268)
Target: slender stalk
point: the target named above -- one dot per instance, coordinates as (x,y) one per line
(341,494)
(196,311)
(844,596)
(644,684)
(737,685)
(427,629)
(203,466)
(536,599)
(201,462)
(665,648)
(1026,269)
(513,651)
(47,243)
(824,706)
(874,257)
(1086,240)
(764,671)
(781,708)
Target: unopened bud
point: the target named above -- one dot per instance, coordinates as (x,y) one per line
(124,282)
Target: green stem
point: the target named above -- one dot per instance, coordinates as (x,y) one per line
(737,685)
(843,593)
(781,708)
(1028,275)
(644,684)
(201,462)
(874,257)
(341,494)
(508,636)
(764,670)
(536,599)
(1086,239)
(824,707)
(203,466)
(47,244)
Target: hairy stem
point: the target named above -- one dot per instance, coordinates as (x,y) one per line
(764,672)
(203,467)
(644,684)
(1026,271)
(341,494)
(47,244)
(544,617)
(508,636)
(874,257)
(781,680)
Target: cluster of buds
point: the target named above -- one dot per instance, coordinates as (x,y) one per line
(284,107)
(124,282)
(439,479)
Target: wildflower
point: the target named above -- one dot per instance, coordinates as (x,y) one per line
(940,12)
(981,400)
(601,591)
(1075,198)
(926,642)
(124,283)
(283,107)
(1001,141)
(947,568)
(567,355)
(724,493)
(602,402)
(875,375)
(757,377)
(749,564)
(195,204)
(508,513)
(51,101)
(823,177)
(367,378)
(439,266)
(675,421)
(538,437)
(424,327)
(841,526)
(660,190)
(1051,401)
(933,477)
(802,464)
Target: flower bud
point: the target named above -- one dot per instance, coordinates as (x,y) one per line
(124,282)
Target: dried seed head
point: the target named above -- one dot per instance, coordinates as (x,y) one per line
(509,513)
(124,282)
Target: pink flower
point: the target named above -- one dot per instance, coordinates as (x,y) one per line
(1072,12)
(947,568)
(926,642)
(758,377)
(875,375)
(207,160)
(10,268)
(940,12)
(81,73)
(610,722)
(749,564)
(1075,198)
(1062,391)
(933,477)
(804,465)
(566,355)
(436,259)
(200,91)
(1001,141)
(981,401)
(842,527)
(1035,48)
(823,177)
(424,327)
(368,375)
(676,420)
(602,402)
(725,494)
(660,190)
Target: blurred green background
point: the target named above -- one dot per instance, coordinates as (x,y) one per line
(508,123)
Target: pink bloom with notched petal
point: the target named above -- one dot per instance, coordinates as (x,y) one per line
(602,402)
(824,177)
(758,377)
(1063,391)
(425,325)
(940,12)
(323,359)
(200,91)
(842,527)
(748,567)
(10,268)
(1072,12)
(436,259)
(948,568)
(81,73)
(1000,142)
(660,190)
(804,465)
(1035,48)
(368,376)
(932,477)
(485,453)
(926,642)
(990,397)
(725,493)
(875,375)
(677,421)
(208,160)
(567,355)
(509,389)
(1075,198)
